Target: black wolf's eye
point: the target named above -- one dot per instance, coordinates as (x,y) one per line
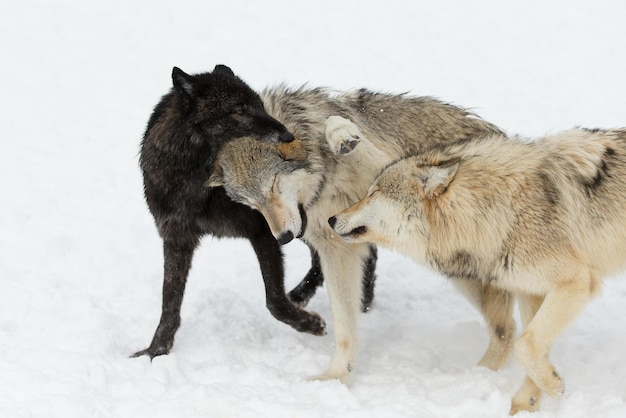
(239,110)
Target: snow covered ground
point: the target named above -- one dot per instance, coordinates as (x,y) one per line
(80,259)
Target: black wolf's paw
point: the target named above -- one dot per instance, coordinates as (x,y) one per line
(312,324)
(342,135)
(317,325)
(151,352)
(296,317)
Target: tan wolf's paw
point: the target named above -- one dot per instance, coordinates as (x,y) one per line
(529,405)
(552,384)
(342,135)
(527,398)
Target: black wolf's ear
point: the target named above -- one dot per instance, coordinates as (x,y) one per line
(223,70)
(182,81)
(292,151)
(435,179)
(216,178)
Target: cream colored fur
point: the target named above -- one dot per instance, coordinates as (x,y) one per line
(545,220)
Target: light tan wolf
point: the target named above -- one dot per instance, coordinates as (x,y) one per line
(297,186)
(542,219)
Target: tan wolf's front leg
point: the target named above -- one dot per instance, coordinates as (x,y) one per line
(528,396)
(342,266)
(532,349)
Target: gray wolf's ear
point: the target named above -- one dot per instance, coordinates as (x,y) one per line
(182,81)
(216,178)
(223,70)
(434,179)
(292,151)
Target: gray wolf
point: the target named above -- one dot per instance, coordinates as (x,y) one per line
(542,219)
(183,135)
(298,185)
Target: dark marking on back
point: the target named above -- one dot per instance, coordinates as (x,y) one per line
(593,185)
(550,192)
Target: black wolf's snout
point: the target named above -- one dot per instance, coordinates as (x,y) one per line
(285,238)
(332,221)
(285,137)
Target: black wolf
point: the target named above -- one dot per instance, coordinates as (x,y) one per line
(183,136)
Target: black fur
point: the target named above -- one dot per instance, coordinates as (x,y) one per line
(182,138)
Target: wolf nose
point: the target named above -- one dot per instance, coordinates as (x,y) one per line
(332,221)
(285,237)
(285,137)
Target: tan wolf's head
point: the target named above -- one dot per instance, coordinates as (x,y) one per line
(268,177)
(395,210)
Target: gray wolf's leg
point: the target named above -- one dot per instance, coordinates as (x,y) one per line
(342,135)
(342,266)
(305,290)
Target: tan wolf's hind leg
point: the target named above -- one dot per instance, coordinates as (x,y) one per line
(528,396)
(496,307)
(558,309)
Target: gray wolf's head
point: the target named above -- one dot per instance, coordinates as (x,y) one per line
(395,211)
(272,178)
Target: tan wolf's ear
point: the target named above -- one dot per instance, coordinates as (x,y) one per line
(216,178)
(292,151)
(435,179)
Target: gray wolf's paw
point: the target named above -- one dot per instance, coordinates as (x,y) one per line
(342,135)
(344,378)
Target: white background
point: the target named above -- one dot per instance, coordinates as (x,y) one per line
(81,262)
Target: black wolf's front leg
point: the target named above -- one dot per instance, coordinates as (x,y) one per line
(177,262)
(280,306)
(305,290)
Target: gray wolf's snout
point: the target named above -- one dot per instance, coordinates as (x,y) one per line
(285,238)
